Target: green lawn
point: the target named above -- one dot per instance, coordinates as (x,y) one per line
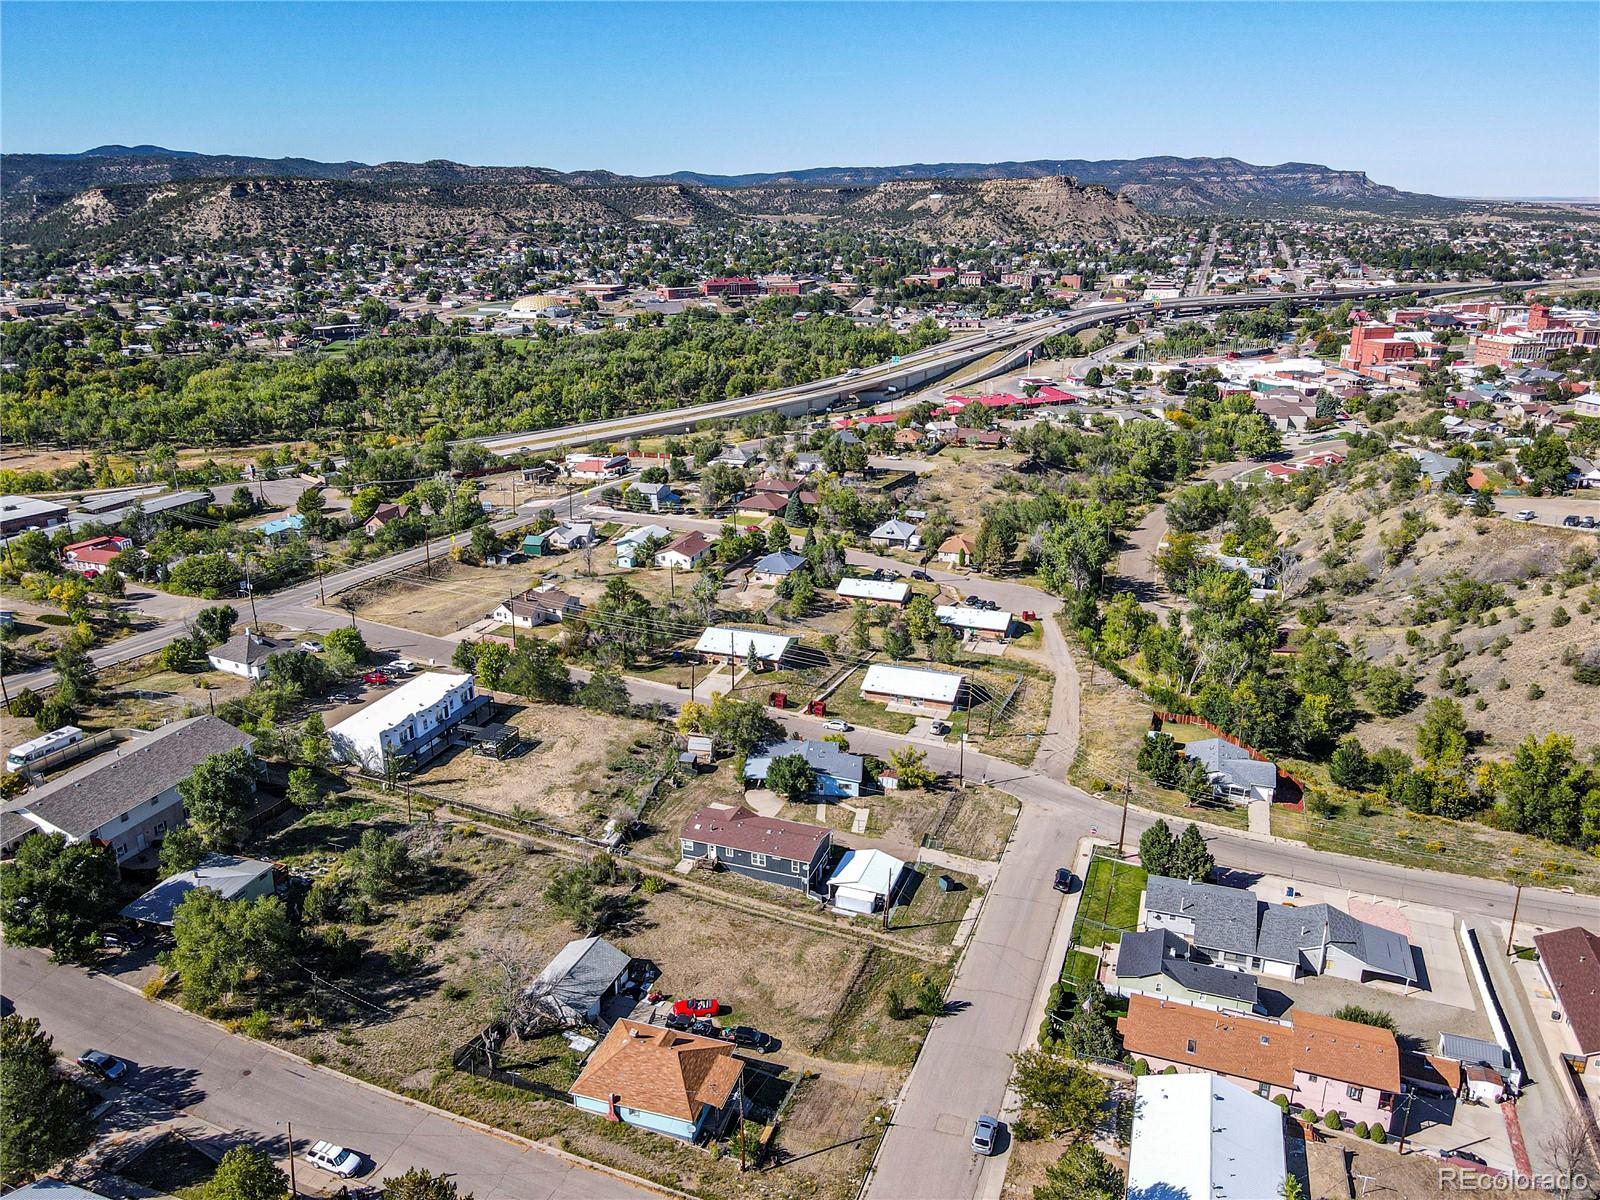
(1080,967)
(1109,905)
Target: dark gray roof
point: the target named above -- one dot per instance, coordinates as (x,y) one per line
(583,971)
(1286,932)
(1140,955)
(1233,762)
(1160,951)
(249,648)
(825,758)
(779,562)
(1224,918)
(87,797)
(1207,980)
(224,874)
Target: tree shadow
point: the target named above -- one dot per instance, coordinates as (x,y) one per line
(178,1087)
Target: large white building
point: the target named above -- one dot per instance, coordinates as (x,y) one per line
(1198,1135)
(413,721)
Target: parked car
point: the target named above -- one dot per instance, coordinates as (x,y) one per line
(402,666)
(309,646)
(1466,1156)
(836,726)
(376,678)
(679,1021)
(743,1035)
(123,939)
(939,728)
(697,1008)
(1588,522)
(1570,521)
(706,1029)
(107,1066)
(1063,881)
(971,602)
(923,576)
(1526,514)
(336,1160)
(985,1135)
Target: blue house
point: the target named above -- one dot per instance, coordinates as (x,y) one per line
(283,527)
(839,772)
(785,853)
(658,1079)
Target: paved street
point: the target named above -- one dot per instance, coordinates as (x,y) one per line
(248,1088)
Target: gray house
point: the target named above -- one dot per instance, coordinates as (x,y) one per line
(582,978)
(839,773)
(1233,773)
(128,799)
(785,853)
(1156,962)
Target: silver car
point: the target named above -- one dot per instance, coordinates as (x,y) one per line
(985,1135)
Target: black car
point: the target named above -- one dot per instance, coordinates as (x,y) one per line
(1063,881)
(923,576)
(1588,522)
(971,602)
(679,1021)
(1571,522)
(743,1035)
(1466,1156)
(705,1029)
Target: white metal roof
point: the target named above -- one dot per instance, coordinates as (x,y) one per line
(867,870)
(941,686)
(1199,1135)
(962,617)
(873,589)
(406,701)
(720,639)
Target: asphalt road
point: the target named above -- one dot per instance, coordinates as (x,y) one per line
(248,1089)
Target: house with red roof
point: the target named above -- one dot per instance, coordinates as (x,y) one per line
(94,555)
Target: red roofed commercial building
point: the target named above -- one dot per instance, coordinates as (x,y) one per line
(730,285)
(94,555)
(1570,962)
(1376,346)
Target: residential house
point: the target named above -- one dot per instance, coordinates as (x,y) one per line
(1584,473)
(1201,1136)
(654,496)
(865,882)
(279,528)
(230,877)
(574,535)
(686,552)
(1486,1067)
(594,468)
(723,643)
(578,983)
(896,535)
(1435,467)
(1229,927)
(411,723)
(785,853)
(630,547)
(956,550)
(776,567)
(1569,959)
(1157,962)
(128,799)
(674,1083)
(735,456)
(759,506)
(894,592)
(976,439)
(246,653)
(839,773)
(806,462)
(1318,1062)
(912,689)
(976,624)
(383,515)
(92,557)
(1235,774)
(536,606)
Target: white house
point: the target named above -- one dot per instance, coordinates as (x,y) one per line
(1199,1135)
(413,721)
(574,536)
(912,689)
(245,654)
(629,546)
(656,495)
(980,623)
(686,552)
(722,643)
(874,591)
(593,467)
(896,534)
(538,606)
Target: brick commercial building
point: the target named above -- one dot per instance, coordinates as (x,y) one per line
(1376,346)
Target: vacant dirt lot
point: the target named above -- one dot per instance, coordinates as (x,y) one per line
(445,598)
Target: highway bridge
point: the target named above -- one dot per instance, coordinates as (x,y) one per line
(935,362)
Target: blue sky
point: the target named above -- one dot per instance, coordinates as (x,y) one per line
(1460,99)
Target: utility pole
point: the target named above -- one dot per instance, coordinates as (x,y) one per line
(322,595)
(1511,937)
(289,1127)
(1127,794)
(251,589)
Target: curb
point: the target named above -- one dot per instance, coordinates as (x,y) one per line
(514,1139)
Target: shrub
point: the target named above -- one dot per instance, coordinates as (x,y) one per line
(1282,1102)
(1377,1134)
(1361,1130)
(1308,1115)
(1140,1069)
(894,1004)
(257,1025)
(652,885)
(1334,1119)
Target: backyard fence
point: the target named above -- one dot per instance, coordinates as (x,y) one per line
(1295,787)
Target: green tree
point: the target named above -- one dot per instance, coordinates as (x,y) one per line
(219,795)
(44,1115)
(420,1184)
(1156,846)
(1081,1173)
(58,894)
(218,946)
(571,895)
(1544,789)
(1191,858)
(302,790)
(1442,736)
(216,624)
(1090,1033)
(181,850)
(1482,502)
(346,640)
(1388,690)
(537,672)
(246,1173)
(1056,1090)
(911,767)
(1348,766)
(1376,1017)
(606,692)
(380,865)
(791,777)
(897,641)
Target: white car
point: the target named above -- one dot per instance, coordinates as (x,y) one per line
(310,647)
(1526,514)
(336,1160)
(836,726)
(403,666)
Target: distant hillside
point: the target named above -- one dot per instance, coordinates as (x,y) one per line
(384,205)
(1180,186)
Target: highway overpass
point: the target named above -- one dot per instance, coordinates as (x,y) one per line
(934,362)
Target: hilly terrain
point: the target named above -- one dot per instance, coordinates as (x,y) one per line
(1163,184)
(390,204)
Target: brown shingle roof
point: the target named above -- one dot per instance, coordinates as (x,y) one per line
(1263,1050)
(1571,961)
(737,828)
(659,1071)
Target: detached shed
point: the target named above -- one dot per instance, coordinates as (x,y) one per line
(865,881)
